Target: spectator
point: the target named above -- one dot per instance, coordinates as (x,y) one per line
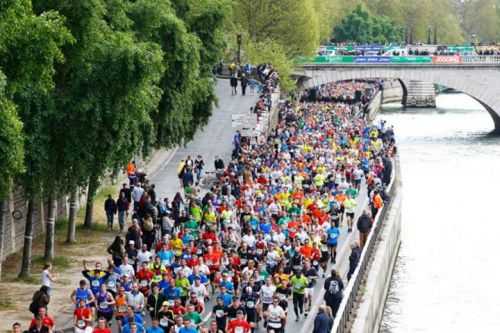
(364,226)
(353,259)
(40,300)
(322,323)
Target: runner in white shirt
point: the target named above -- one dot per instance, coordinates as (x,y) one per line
(199,289)
(266,293)
(275,316)
(143,255)
(127,269)
(249,239)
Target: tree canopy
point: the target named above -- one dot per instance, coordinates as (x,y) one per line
(362,27)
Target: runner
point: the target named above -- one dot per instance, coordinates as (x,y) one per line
(259,234)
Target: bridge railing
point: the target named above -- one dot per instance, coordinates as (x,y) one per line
(481,59)
(347,306)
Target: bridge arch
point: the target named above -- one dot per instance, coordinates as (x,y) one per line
(480,82)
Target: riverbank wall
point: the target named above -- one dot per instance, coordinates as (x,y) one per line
(375,285)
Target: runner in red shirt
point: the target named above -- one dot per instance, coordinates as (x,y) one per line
(144,276)
(102,326)
(239,325)
(82,317)
(307,250)
(46,319)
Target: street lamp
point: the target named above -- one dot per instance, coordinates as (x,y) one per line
(429,29)
(238,40)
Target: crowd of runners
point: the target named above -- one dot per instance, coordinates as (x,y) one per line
(237,256)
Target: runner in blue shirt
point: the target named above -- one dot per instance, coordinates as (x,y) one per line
(333,235)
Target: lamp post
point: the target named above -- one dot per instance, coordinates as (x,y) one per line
(238,40)
(429,29)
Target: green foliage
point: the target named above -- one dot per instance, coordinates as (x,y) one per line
(293,24)
(362,27)
(191,47)
(272,52)
(30,47)
(11,141)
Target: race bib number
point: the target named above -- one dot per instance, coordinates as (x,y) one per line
(144,283)
(250,304)
(111,284)
(164,322)
(122,308)
(219,313)
(81,324)
(104,305)
(95,283)
(238,329)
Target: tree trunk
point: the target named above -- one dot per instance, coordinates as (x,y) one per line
(89,209)
(28,241)
(50,229)
(71,238)
(4,210)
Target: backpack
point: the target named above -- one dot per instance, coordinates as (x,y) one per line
(148,224)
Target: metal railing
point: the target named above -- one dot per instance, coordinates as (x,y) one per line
(349,300)
(481,59)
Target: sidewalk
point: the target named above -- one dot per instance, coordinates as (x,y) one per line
(215,139)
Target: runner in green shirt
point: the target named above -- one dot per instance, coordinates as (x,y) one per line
(299,284)
(192,315)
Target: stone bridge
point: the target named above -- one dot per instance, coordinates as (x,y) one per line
(480,81)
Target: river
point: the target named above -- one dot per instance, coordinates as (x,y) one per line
(447,271)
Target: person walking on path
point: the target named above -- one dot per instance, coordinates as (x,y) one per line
(110,208)
(234,84)
(323,322)
(353,259)
(364,226)
(333,291)
(47,277)
(244,84)
(122,205)
(199,164)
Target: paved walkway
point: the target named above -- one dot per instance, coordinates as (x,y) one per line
(214,139)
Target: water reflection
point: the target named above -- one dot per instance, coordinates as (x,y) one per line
(446,274)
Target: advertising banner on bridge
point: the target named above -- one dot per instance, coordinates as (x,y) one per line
(411,59)
(442,59)
(372,60)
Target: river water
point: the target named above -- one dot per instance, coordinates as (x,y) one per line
(447,272)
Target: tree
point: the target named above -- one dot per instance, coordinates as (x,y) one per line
(107,89)
(272,52)
(293,24)
(362,27)
(156,21)
(30,46)
(12,152)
